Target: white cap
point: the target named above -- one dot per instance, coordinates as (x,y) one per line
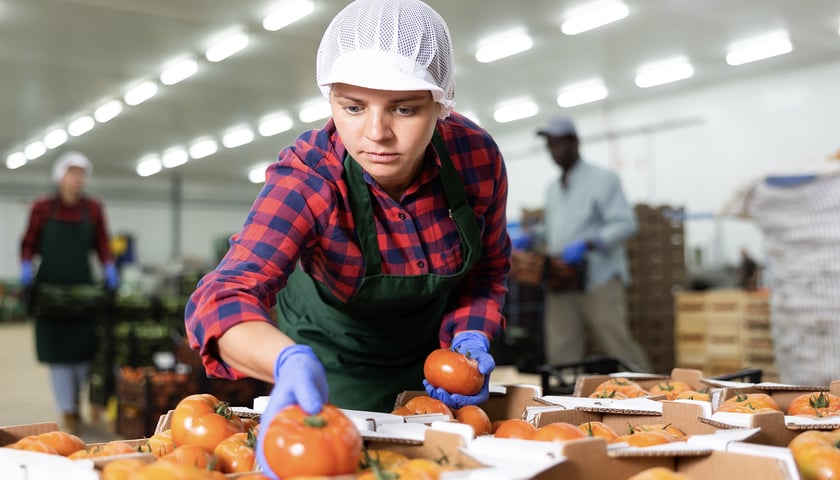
(559,126)
(67,160)
(396,45)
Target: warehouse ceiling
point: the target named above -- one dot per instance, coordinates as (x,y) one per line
(60,59)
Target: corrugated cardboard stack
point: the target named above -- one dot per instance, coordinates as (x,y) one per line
(657,264)
(724,331)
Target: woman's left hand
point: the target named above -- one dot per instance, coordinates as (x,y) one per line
(477,346)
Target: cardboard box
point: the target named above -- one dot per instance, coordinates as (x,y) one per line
(505,401)
(13,433)
(776,428)
(586,385)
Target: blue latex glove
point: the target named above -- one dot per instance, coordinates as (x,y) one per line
(26,273)
(299,378)
(112,277)
(574,252)
(477,345)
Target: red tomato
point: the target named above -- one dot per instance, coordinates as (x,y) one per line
(64,443)
(817,454)
(598,429)
(201,419)
(475,417)
(235,454)
(424,405)
(453,372)
(297,443)
(558,431)
(817,404)
(515,428)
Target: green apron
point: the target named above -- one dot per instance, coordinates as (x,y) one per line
(64,248)
(374,346)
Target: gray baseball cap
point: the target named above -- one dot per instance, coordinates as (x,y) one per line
(559,126)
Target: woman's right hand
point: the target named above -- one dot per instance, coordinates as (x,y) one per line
(299,379)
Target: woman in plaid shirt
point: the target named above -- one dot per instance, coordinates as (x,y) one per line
(379,238)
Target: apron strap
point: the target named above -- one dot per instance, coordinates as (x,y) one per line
(360,202)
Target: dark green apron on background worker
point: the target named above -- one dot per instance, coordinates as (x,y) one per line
(374,346)
(68,337)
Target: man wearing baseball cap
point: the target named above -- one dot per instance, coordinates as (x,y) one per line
(63,228)
(587,222)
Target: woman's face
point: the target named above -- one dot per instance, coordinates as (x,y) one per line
(385,131)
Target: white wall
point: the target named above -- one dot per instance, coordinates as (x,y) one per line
(691,150)
(694,150)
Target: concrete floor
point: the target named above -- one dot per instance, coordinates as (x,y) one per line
(26,395)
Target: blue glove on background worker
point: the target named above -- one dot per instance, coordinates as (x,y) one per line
(26,273)
(112,277)
(477,345)
(299,378)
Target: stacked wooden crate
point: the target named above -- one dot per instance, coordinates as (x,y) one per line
(723,331)
(657,264)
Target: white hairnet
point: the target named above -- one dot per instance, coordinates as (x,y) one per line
(389,45)
(67,160)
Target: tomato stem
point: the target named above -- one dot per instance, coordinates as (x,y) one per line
(314,421)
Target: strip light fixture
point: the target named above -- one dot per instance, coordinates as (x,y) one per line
(81,126)
(227,47)
(174,157)
(139,94)
(15,160)
(504,45)
(237,137)
(179,71)
(257,173)
(663,72)
(759,48)
(108,111)
(34,150)
(55,138)
(203,148)
(273,124)
(288,14)
(593,15)
(582,93)
(148,166)
(516,111)
(315,111)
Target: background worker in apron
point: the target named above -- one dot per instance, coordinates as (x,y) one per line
(380,236)
(63,228)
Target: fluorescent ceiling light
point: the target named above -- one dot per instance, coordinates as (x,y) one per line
(227,47)
(55,138)
(15,160)
(179,72)
(759,48)
(237,137)
(662,73)
(81,125)
(502,46)
(581,93)
(593,15)
(203,148)
(274,124)
(141,93)
(107,111)
(315,112)
(148,165)
(34,150)
(257,173)
(516,111)
(288,14)
(174,157)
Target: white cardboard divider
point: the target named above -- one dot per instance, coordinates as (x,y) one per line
(606,404)
(782,454)
(512,458)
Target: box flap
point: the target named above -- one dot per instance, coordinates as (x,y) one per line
(640,406)
(513,459)
(23,465)
(13,433)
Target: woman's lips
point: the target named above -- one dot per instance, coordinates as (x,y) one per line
(380,156)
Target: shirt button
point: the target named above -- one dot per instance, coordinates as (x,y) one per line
(402,216)
(421,264)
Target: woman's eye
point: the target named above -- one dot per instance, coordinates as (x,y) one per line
(353,109)
(405,110)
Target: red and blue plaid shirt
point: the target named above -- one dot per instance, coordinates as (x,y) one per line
(303,214)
